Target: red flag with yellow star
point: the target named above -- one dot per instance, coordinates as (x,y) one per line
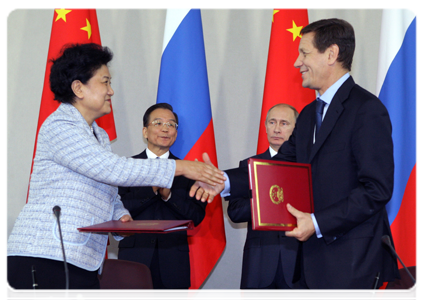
(283,82)
(70,26)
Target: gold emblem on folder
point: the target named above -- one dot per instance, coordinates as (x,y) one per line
(276,194)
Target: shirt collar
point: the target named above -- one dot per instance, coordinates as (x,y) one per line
(331,91)
(272,152)
(150,154)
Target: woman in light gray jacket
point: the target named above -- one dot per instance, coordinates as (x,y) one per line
(74,168)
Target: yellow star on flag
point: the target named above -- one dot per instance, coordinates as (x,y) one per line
(275,11)
(295,30)
(61,14)
(87,29)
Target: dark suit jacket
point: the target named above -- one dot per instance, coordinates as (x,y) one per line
(262,249)
(173,250)
(352,171)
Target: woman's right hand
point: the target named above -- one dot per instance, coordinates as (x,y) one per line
(202,171)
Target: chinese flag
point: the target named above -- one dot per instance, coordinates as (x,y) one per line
(70,26)
(283,81)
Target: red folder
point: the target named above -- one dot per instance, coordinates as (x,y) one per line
(274,184)
(140,226)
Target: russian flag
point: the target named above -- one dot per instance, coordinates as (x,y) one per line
(397,90)
(183,83)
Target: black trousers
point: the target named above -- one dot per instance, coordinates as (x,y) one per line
(306,294)
(50,274)
(277,290)
(162,292)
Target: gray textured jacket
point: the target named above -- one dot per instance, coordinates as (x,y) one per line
(77,171)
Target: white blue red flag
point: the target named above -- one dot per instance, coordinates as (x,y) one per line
(183,83)
(397,90)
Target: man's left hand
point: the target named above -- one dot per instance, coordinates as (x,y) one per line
(305,227)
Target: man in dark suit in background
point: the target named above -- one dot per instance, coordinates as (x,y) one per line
(351,157)
(167,255)
(269,259)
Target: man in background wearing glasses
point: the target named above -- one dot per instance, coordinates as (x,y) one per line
(167,255)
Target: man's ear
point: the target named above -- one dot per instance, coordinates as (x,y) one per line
(76,87)
(144,132)
(333,52)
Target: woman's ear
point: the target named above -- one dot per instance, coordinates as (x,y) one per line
(77,88)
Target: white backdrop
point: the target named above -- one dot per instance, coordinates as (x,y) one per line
(236,43)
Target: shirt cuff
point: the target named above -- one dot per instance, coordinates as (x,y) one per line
(227,190)
(316,226)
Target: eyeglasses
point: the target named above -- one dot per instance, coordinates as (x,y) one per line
(169,125)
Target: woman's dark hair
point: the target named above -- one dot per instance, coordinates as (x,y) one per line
(76,62)
(146,118)
(328,32)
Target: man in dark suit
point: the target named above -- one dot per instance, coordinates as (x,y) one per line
(351,157)
(269,259)
(167,255)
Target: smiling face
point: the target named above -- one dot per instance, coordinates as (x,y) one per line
(93,99)
(313,65)
(280,123)
(160,138)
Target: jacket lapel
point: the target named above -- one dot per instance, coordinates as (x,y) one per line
(265,155)
(171,156)
(334,112)
(142,155)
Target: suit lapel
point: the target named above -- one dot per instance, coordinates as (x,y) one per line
(144,155)
(265,155)
(309,123)
(171,156)
(334,112)
(141,155)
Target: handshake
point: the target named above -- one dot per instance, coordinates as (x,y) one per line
(210,181)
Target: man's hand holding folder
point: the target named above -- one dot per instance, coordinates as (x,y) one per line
(305,227)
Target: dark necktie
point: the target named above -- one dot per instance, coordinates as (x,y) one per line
(319,113)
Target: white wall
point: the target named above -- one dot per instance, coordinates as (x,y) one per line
(236,44)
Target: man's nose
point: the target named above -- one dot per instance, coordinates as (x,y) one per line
(298,63)
(277,128)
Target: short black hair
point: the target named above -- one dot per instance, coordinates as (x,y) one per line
(146,118)
(76,62)
(328,32)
